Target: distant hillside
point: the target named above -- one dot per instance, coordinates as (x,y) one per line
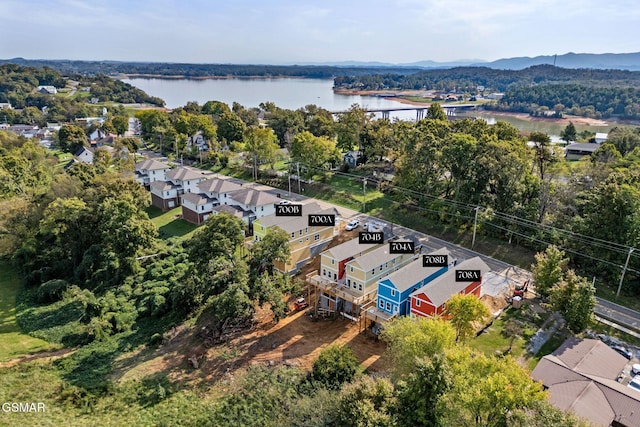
(619,61)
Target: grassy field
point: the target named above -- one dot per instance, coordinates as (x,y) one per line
(170,224)
(13,342)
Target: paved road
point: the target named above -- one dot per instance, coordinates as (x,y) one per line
(621,315)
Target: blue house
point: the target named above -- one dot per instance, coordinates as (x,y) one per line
(394,290)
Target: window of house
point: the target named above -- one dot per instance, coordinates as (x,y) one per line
(351,268)
(333,261)
(293,235)
(306,230)
(307,239)
(380,268)
(324,272)
(417,302)
(300,233)
(348,282)
(359,286)
(388,306)
(373,271)
(393,292)
(381,305)
(395,308)
(393,261)
(316,237)
(300,241)
(262,208)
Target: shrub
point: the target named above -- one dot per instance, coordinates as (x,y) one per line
(335,366)
(52,290)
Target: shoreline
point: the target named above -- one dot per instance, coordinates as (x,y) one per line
(183,77)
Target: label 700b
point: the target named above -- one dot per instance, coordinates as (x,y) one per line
(288,210)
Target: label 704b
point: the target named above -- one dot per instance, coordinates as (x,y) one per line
(468,275)
(288,210)
(370,237)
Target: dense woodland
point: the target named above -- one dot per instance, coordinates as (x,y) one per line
(203,70)
(18,86)
(590,93)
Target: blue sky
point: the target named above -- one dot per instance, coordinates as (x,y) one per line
(302,31)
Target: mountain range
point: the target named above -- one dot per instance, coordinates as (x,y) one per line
(620,61)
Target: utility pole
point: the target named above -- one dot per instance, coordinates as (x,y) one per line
(624,270)
(298,171)
(475,223)
(289,178)
(364,194)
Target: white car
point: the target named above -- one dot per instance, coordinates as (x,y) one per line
(353,224)
(284,202)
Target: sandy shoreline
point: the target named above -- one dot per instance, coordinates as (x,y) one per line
(577,120)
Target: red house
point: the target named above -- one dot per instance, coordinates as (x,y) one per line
(465,278)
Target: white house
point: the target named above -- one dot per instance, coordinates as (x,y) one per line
(148,171)
(258,202)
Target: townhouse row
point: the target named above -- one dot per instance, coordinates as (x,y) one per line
(372,284)
(201,194)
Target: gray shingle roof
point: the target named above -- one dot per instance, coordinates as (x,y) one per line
(218,185)
(252,197)
(351,248)
(414,272)
(291,224)
(440,289)
(150,164)
(581,378)
(184,173)
(233,210)
(196,199)
(373,258)
(162,185)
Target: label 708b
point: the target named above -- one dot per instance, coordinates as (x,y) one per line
(318,219)
(288,210)
(435,260)
(468,275)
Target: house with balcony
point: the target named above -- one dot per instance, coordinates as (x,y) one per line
(196,208)
(164,195)
(394,290)
(181,180)
(355,282)
(220,188)
(305,241)
(430,300)
(148,171)
(260,203)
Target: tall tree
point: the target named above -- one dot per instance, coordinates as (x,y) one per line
(464,311)
(574,298)
(436,112)
(335,365)
(71,138)
(408,339)
(314,152)
(349,126)
(262,145)
(548,270)
(569,133)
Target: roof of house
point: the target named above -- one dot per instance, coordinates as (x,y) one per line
(581,377)
(582,146)
(253,197)
(414,272)
(185,173)
(162,185)
(373,258)
(440,289)
(349,249)
(218,185)
(196,199)
(233,210)
(295,223)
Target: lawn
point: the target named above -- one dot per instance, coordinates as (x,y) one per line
(170,223)
(492,340)
(13,342)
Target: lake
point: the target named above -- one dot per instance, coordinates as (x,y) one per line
(294,93)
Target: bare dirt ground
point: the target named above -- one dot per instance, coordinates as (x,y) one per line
(45,356)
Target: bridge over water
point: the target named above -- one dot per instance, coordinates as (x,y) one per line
(450,109)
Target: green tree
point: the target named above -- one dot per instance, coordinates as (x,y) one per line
(261,145)
(71,138)
(335,366)
(314,152)
(274,246)
(548,270)
(463,312)
(349,126)
(436,112)
(366,402)
(120,124)
(574,298)
(408,339)
(420,395)
(230,127)
(624,138)
(569,133)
